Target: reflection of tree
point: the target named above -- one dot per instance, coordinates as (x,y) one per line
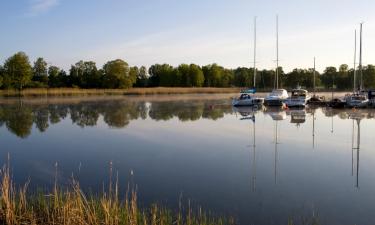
(19,120)
(119,114)
(84,115)
(41,118)
(19,117)
(187,110)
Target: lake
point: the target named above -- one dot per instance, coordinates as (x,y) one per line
(261,166)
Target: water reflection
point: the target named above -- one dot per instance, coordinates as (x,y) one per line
(20,116)
(254,164)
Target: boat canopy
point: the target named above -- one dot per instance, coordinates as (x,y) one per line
(278,92)
(249,91)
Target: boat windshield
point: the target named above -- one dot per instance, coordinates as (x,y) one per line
(358,98)
(245,96)
(278,92)
(299,93)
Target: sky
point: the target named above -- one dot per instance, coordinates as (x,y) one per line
(195,31)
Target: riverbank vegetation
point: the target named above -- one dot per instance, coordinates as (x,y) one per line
(71,205)
(18,73)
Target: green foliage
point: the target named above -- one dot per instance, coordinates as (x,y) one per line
(116,75)
(18,71)
(40,73)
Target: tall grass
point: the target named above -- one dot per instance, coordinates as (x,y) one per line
(73,206)
(36,92)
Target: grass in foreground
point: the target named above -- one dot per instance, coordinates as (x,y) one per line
(36,92)
(72,206)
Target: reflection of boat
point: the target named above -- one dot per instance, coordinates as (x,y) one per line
(277,96)
(358,98)
(298,98)
(248,114)
(246,110)
(337,103)
(297,116)
(276,113)
(246,99)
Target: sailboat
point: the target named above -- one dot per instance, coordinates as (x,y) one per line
(358,99)
(246,99)
(277,96)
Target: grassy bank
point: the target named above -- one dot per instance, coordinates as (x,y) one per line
(39,92)
(72,206)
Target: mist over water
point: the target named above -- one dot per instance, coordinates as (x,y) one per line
(261,166)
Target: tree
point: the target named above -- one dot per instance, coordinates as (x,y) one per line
(164,75)
(196,76)
(40,73)
(329,76)
(212,75)
(116,75)
(53,76)
(85,74)
(369,76)
(1,76)
(18,70)
(142,77)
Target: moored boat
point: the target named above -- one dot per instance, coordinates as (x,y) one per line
(298,98)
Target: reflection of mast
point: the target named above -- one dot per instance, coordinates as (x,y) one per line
(254,159)
(313,132)
(332,123)
(357,147)
(358,144)
(352,147)
(276,143)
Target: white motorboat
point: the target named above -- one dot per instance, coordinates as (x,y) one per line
(247,97)
(276,98)
(299,98)
(247,100)
(358,99)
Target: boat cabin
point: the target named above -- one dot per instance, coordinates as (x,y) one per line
(245,96)
(299,93)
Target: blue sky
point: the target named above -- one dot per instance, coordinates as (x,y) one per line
(196,31)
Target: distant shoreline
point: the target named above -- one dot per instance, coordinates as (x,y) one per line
(67,92)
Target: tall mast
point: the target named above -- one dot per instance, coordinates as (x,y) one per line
(360,54)
(277,51)
(355,57)
(255,49)
(314,76)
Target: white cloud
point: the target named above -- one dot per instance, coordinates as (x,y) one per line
(41,6)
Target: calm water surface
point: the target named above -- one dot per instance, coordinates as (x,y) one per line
(262,167)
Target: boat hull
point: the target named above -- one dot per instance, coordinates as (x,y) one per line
(248,102)
(274,102)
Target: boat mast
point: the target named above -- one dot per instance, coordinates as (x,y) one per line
(314,76)
(255,51)
(355,57)
(277,51)
(360,55)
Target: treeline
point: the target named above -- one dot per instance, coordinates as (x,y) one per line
(18,73)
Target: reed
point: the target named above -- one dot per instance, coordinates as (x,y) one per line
(73,206)
(39,92)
